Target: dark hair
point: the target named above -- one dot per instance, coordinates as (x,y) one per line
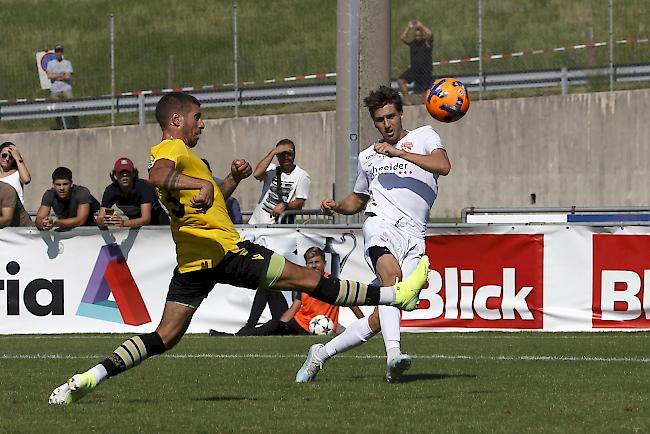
(287,142)
(6,145)
(381,97)
(314,251)
(171,103)
(62,173)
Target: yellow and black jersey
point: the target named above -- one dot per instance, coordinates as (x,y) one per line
(202,239)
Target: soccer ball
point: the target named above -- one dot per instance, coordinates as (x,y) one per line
(321,325)
(447,100)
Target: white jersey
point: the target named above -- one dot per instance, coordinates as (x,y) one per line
(401,192)
(295,185)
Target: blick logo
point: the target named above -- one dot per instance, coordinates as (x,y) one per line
(112,275)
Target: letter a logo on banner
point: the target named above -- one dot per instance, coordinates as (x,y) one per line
(112,275)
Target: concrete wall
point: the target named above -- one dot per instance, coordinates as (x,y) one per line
(585,150)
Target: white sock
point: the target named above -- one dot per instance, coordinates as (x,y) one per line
(386,295)
(99,372)
(389,318)
(356,334)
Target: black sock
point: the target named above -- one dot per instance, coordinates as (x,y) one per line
(132,352)
(340,292)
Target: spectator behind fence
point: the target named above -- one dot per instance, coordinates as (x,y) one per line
(12,212)
(296,319)
(73,205)
(232,204)
(133,197)
(13,169)
(286,186)
(419,38)
(59,71)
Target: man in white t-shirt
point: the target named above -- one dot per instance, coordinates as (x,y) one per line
(286,186)
(59,71)
(397,183)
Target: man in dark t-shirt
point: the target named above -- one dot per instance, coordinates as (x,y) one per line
(73,205)
(134,197)
(419,38)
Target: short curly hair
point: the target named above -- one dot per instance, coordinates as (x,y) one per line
(381,97)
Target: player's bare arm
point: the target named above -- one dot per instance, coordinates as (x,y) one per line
(164,175)
(239,170)
(351,204)
(291,312)
(436,162)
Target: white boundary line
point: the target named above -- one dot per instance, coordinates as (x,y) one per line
(442,335)
(301,356)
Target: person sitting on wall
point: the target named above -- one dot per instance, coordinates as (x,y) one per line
(73,204)
(133,197)
(12,212)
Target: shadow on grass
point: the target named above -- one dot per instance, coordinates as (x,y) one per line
(429,377)
(225,398)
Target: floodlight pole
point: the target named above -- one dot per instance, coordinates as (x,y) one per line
(112,30)
(480,49)
(611,45)
(235,57)
(362,64)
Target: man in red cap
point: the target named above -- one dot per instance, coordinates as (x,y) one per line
(129,201)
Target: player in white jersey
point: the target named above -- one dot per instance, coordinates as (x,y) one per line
(397,183)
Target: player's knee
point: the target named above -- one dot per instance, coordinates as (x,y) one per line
(169,337)
(373,321)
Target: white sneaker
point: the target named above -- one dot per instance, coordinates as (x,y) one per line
(73,390)
(311,366)
(396,366)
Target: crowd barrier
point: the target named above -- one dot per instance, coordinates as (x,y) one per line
(551,277)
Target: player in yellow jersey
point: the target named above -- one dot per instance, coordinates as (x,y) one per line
(210,251)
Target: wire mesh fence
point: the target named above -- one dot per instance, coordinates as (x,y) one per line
(169,43)
(527,36)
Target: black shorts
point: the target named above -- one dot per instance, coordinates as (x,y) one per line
(421,80)
(294,328)
(245,268)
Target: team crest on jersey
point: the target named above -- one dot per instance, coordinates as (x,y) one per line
(406,146)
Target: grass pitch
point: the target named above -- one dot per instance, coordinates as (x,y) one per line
(474,382)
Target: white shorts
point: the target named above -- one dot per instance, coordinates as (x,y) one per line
(406,248)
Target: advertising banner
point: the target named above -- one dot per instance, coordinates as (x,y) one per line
(508,277)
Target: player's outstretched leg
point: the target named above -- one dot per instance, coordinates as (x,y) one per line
(311,366)
(396,366)
(131,353)
(340,292)
(358,332)
(74,389)
(407,292)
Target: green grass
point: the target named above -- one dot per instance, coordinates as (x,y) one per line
(478,382)
(288,37)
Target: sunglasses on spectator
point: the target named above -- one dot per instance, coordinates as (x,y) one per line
(6,156)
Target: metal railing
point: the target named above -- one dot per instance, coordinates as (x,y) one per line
(147,100)
(574,214)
